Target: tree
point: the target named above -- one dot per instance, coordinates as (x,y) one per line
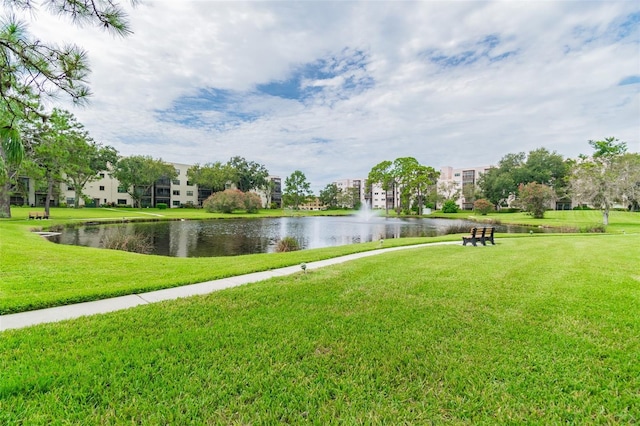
(79,158)
(604,178)
(89,159)
(31,69)
(534,198)
(384,175)
(137,175)
(417,181)
(329,196)
(247,175)
(349,197)
(216,176)
(11,155)
(500,184)
(296,190)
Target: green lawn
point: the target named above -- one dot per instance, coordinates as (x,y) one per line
(535,330)
(35,273)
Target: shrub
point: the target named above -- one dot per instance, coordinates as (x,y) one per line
(161,206)
(252,202)
(120,239)
(232,199)
(287,244)
(450,206)
(534,198)
(224,202)
(483,206)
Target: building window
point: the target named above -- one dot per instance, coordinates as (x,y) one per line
(178,172)
(105,200)
(122,190)
(176,203)
(122,201)
(101,187)
(189,183)
(176,181)
(69,188)
(71,201)
(189,193)
(101,175)
(176,192)
(457,175)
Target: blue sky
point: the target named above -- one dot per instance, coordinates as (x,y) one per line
(333,88)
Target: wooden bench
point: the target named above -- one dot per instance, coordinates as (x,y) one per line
(38,215)
(480,234)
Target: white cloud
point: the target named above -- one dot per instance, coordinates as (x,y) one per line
(429,81)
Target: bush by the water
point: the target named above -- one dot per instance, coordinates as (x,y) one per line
(483,206)
(287,244)
(120,239)
(450,206)
(161,206)
(232,199)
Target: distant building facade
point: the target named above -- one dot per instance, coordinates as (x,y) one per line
(107,191)
(465,180)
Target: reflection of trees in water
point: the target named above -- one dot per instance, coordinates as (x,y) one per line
(230,237)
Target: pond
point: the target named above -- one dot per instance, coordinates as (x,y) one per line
(229,237)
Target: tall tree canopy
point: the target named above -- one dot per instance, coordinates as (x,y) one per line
(606,177)
(329,195)
(215,176)
(384,175)
(247,175)
(138,173)
(297,190)
(500,184)
(32,69)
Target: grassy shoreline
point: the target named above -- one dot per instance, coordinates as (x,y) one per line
(35,273)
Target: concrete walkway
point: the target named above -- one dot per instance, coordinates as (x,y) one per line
(61,313)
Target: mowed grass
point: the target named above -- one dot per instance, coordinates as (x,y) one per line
(535,330)
(35,273)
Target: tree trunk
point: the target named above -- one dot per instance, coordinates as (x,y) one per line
(47,201)
(605,217)
(5,200)
(77,195)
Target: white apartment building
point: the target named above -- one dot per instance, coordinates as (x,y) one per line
(462,179)
(107,190)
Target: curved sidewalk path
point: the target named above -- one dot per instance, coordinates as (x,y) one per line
(61,313)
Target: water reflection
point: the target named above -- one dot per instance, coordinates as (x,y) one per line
(230,237)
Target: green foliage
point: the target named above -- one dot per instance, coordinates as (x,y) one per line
(214,176)
(233,199)
(247,175)
(607,177)
(287,244)
(329,196)
(138,173)
(483,206)
(252,202)
(297,190)
(224,202)
(450,206)
(535,198)
(161,206)
(500,183)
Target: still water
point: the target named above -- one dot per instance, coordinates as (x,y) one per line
(229,237)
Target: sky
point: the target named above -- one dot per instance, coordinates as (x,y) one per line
(332,88)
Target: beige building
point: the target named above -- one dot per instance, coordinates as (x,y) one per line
(463,180)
